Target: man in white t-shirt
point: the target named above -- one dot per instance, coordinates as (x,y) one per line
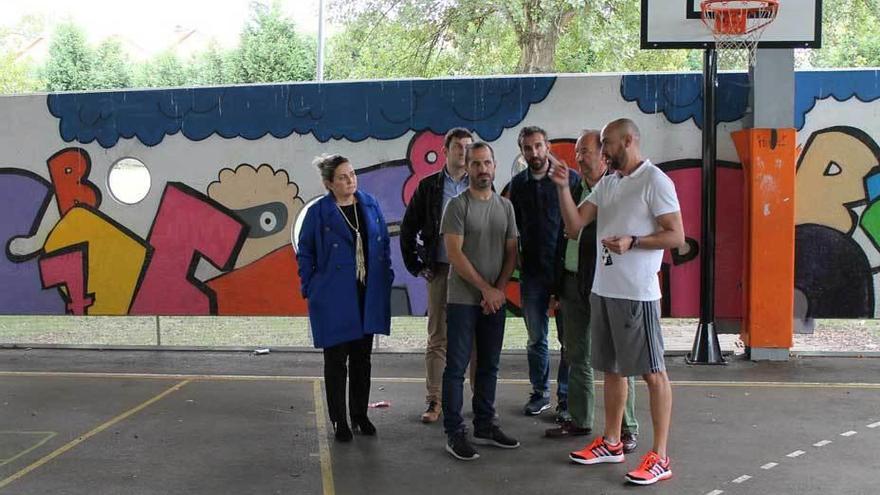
(638,216)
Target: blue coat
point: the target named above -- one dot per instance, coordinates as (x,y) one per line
(326,257)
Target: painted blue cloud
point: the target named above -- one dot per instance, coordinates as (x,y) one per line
(839,84)
(680,96)
(354,111)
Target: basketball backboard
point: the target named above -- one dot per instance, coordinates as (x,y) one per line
(677,24)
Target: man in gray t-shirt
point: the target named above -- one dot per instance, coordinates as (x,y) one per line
(485,226)
(479,232)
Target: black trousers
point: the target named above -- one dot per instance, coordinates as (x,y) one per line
(356,354)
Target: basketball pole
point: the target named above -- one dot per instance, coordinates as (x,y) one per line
(706,349)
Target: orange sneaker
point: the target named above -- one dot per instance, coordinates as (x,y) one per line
(651,470)
(598,452)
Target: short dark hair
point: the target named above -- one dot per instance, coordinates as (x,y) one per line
(528,131)
(477,146)
(456,133)
(327,165)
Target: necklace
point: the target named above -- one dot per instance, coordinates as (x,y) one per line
(361,267)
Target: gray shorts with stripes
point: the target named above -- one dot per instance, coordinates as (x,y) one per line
(626,336)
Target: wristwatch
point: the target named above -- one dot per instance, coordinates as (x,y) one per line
(635,242)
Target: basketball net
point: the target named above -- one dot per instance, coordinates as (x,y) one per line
(737,26)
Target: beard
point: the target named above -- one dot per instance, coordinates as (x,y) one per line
(483,181)
(615,162)
(537,163)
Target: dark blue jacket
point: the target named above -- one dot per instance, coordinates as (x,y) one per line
(326,257)
(539,221)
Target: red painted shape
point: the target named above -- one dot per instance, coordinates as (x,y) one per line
(69,170)
(425,157)
(187,227)
(268,286)
(564,150)
(68,269)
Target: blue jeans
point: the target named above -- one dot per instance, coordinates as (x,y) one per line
(535,297)
(463,323)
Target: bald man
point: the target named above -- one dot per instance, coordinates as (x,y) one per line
(637,216)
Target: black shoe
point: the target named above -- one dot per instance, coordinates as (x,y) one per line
(343,432)
(567,429)
(537,404)
(630,442)
(364,425)
(496,438)
(459,447)
(562,414)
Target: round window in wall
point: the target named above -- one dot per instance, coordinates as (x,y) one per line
(129,180)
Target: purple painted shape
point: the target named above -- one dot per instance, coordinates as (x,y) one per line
(416,287)
(385,181)
(23,199)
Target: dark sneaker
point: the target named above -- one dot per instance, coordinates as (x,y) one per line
(536,405)
(630,442)
(342,431)
(364,425)
(598,452)
(459,447)
(651,470)
(432,414)
(496,438)
(562,415)
(567,429)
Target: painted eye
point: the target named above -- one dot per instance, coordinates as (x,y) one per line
(268,222)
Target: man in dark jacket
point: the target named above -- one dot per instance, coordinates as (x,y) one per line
(425,255)
(578,255)
(536,204)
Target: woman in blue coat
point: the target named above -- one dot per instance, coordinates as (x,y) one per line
(345,272)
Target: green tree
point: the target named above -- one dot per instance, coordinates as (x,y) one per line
(437,28)
(271,50)
(213,67)
(850,35)
(71,61)
(607,39)
(163,71)
(112,68)
(17,76)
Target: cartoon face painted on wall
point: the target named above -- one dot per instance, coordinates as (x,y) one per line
(830,176)
(265,200)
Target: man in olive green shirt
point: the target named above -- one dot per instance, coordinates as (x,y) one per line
(576,284)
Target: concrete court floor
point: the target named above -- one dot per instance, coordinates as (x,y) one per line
(163,422)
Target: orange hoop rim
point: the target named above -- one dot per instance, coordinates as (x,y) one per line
(731,17)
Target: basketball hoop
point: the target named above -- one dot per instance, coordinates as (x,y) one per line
(737,26)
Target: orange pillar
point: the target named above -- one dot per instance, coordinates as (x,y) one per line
(768,157)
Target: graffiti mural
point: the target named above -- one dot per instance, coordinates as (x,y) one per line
(231,173)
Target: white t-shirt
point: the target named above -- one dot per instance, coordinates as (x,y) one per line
(630,205)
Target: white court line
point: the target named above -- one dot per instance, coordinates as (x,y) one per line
(715,492)
(874,425)
(742,479)
(822,443)
(796,453)
(848,433)
(769,465)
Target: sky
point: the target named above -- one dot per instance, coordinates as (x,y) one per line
(150,24)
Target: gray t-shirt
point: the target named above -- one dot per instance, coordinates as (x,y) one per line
(486,226)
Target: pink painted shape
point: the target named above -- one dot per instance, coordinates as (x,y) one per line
(187,226)
(684,279)
(424,147)
(68,270)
